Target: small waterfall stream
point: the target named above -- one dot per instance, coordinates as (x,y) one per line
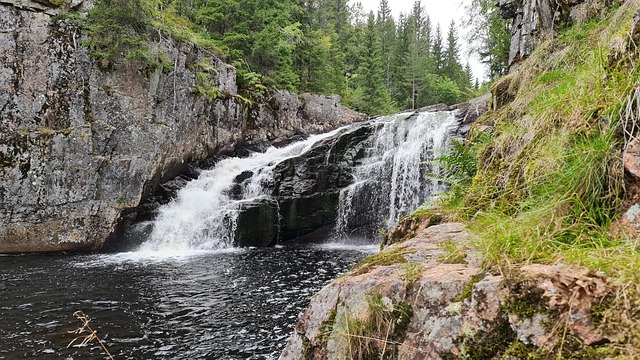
(387,182)
(390,181)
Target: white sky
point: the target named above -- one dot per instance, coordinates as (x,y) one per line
(442,12)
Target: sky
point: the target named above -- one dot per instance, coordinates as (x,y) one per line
(442,12)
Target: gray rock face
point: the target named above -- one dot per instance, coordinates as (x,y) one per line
(305,190)
(533,20)
(79,146)
(415,301)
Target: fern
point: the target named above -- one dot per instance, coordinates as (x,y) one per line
(458,164)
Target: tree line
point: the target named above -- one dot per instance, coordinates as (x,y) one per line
(377,63)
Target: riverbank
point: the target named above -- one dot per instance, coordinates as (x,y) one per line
(430,298)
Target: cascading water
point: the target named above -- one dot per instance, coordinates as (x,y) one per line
(376,172)
(390,180)
(204,214)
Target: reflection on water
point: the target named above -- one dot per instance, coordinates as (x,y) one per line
(236,304)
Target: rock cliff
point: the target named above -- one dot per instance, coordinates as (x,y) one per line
(532,20)
(79,146)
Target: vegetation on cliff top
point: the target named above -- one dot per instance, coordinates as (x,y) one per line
(377,63)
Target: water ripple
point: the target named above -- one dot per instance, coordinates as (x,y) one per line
(233,304)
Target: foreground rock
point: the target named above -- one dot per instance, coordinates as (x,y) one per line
(426,298)
(80,146)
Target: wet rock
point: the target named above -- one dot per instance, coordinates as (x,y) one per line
(469,112)
(307,188)
(257,224)
(308,218)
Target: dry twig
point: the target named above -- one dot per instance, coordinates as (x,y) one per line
(84,329)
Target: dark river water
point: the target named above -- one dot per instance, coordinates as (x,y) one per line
(236,304)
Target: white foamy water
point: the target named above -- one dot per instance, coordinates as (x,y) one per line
(390,181)
(203,216)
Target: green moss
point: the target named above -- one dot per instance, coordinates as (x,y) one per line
(526,300)
(599,309)
(57,3)
(488,344)
(468,289)
(121,203)
(45,130)
(521,351)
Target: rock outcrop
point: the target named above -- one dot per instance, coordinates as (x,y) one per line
(80,146)
(304,191)
(533,20)
(427,298)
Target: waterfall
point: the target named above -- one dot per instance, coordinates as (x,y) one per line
(390,182)
(204,214)
(383,164)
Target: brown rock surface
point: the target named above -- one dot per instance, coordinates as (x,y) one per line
(456,309)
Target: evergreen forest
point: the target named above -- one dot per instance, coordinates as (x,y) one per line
(377,63)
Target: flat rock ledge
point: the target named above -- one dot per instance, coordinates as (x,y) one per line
(428,298)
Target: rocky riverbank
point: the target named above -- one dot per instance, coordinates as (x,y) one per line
(428,298)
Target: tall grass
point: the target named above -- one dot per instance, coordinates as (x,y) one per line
(550,184)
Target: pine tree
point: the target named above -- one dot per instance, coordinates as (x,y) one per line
(401,89)
(418,62)
(451,66)
(437,54)
(376,97)
(468,76)
(387,28)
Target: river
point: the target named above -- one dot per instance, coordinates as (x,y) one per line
(233,304)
